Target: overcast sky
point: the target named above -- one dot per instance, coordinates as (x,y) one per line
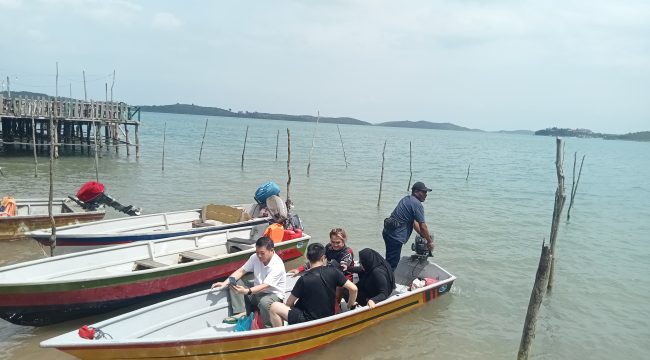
(491,65)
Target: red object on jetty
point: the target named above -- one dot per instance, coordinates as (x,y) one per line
(90,191)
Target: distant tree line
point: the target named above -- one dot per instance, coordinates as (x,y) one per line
(586,133)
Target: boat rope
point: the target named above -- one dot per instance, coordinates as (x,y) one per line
(99,334)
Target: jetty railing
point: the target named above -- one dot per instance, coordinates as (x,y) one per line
(25,123)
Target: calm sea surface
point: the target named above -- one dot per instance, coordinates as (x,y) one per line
(488,229)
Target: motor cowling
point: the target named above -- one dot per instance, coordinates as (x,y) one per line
(90,191)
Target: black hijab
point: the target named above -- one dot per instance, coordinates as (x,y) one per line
(371,260)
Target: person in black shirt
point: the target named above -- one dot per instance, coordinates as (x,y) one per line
(314,295)
(376,278)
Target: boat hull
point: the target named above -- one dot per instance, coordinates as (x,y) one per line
(70,240)
(45,304)
(156,339)
(17,226)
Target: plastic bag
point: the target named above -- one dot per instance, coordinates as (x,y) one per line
(244,323)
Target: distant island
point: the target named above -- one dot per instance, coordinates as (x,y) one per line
(425,125)
(214,111)
(586,133)
(192,109)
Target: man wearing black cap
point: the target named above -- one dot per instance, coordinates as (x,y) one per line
(408,214)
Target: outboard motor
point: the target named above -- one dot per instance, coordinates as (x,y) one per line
(419,247)
(91,195)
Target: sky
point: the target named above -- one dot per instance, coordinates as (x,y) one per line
(490,65)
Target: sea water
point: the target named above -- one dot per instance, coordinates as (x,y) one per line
(490,211)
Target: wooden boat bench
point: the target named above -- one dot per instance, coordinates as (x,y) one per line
(145,264)
(189,256)
(239,244)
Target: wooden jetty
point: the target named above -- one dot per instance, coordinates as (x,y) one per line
(79,125)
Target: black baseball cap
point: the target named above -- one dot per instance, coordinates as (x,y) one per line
(419,186)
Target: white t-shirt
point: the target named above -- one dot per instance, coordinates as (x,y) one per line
(272,274)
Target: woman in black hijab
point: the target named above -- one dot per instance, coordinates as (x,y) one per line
(376,278)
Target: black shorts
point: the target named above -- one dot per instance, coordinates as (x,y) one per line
(296,316)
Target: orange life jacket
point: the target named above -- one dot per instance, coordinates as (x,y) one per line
(9,205)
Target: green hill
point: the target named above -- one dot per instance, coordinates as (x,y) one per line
(425,125)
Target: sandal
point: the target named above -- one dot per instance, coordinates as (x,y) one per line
(233,319)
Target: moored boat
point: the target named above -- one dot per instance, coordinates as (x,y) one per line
(126,230)
(32,214)
(60,288)
(191,326)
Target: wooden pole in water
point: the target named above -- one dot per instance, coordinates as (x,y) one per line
(408,188)
(345,158)
(51,194)
(34,145)
(574,186)
(56,87)
(560,197)
(55,106)
(244,151)
(288,168)
(277,143)
(536,297)
(467,177)
(381,181)
(112,83)
(203,139)
(313,140)
(85,93)
(95,126)
(163,147)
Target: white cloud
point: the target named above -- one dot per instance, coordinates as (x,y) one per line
(105,11)
(10,4)
(166,21)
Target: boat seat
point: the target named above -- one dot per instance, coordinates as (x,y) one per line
(145,264)
(238,244)
(189,256)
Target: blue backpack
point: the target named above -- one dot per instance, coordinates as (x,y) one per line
(265,190)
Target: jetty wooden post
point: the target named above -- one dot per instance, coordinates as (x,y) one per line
(574,186)
(277,143)
(467,177)
(244,151)
(137,142)
(560,197)
(345,158)
(289,203)
(408,188)
(163,147)
(126,138)
(313,140)
(536,297)
(203,139)
(381,181)
(34,146)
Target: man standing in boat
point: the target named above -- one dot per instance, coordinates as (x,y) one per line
(408,215)
(269,285)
